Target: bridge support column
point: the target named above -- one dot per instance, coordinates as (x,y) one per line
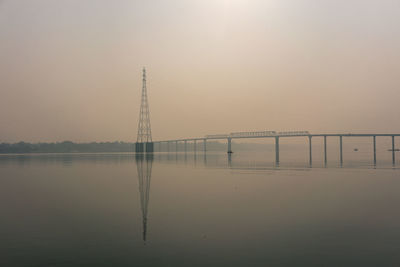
(310,148)
(185,145)
(205,145)
(194,156)
(176,146)
(325,153)
(374,143)
(194,146)
(229,145)
(277,150)
(393,151)
(167,146)
(341,149)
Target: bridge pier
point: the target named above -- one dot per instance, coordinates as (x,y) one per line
(325,153)
(229,145)
(341,149)
(310,148)
(277,150)
(374,144)
(159,145)
(393,151)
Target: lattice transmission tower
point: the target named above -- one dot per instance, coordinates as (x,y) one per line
(144,142)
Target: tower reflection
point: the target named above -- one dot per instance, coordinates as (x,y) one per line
(144,164)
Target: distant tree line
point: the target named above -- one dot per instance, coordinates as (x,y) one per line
(94,147)
(66,147)
(104,147)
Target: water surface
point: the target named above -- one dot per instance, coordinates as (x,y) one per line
(182,209)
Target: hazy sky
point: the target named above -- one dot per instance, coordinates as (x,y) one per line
(71,69)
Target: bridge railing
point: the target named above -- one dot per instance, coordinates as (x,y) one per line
(294,133)
(250,134)
(217,136)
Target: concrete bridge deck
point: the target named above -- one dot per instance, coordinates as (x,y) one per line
(279,135)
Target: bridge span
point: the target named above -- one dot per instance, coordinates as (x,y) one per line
(277,135)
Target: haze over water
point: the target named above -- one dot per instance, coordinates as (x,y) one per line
(71,72)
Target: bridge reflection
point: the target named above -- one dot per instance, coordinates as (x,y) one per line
(259,160)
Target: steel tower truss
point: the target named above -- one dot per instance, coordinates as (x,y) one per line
(144,127)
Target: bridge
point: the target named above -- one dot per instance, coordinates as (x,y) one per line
(145,144)
(277,135)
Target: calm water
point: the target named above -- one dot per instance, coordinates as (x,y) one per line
(180,210)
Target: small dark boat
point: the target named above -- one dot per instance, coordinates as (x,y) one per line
(396,149)
(356,149)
